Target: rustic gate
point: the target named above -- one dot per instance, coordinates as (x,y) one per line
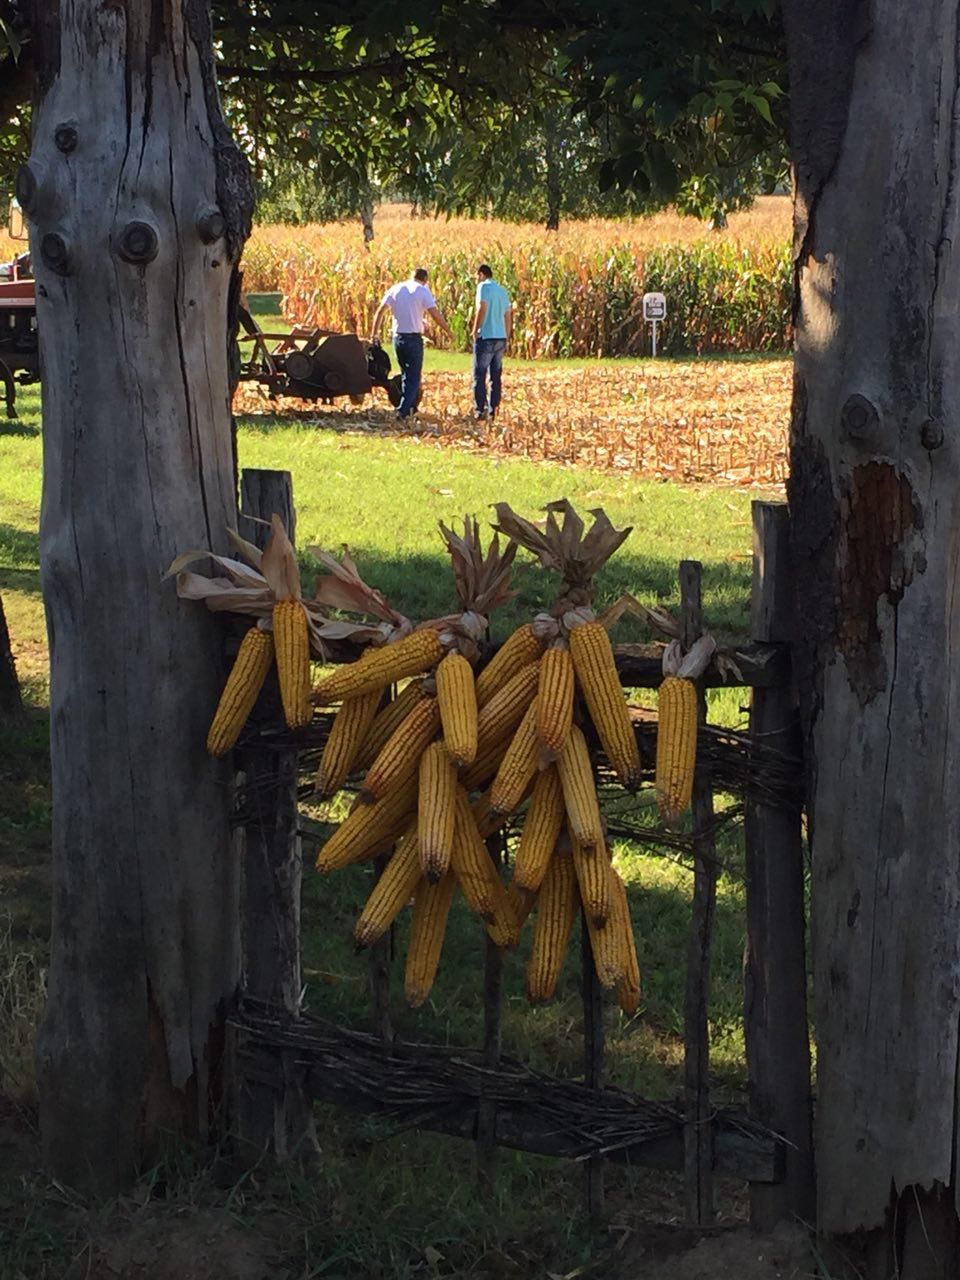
(283,1059)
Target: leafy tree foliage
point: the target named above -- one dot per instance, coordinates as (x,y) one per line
(542,108)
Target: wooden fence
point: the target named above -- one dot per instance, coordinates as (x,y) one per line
(282,1059)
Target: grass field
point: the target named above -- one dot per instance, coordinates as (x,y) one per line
(409,1206)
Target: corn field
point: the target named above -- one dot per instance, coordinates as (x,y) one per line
(577,292)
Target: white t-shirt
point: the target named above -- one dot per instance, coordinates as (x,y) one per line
(409,302)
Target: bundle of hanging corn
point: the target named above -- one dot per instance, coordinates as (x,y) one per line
(563,855)
(423,754)
(677,722)
(288,630)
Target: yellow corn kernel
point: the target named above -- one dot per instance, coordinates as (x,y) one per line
(554,700)
(291,640)
(431,906)
(541,830)
(518,767)
(350,727)
(596,672)
(579,791)
(410,656)
(621,927)
(485,766)
(243,686)
(479,880)
(609,955)
(392,891)
(370,829)
(557,904)
(501,715)
(435,810)
(592,868)
(457,699)
(387,720)
(517,651)
(677,714)
(522,902)
(401,755)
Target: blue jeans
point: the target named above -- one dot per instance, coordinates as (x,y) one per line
(409,349)
(487,355)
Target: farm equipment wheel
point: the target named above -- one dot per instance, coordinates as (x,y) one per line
(395,391)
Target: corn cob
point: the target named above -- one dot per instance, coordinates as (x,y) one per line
(243,685)
(621,927)
(517,651)
(606,945)
(501,715)
(488,822)
(557,905)
(392,891)
(579,791)
(541,829)
(518,767)
(485,766)
(554,700)
(401,755)
(676,745)
(291,641)
(478,878)
(350,727)
(431,906)
(593,878)
(416,653)
(522,902)
(596,672)
(370,829)
(388,719)
(457,699)
(435,810)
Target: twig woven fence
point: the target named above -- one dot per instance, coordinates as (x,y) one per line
(283,1059)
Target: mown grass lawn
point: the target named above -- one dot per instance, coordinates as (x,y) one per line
(374,1207)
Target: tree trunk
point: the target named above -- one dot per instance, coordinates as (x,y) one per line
(11,705)
(138,206)
(875,473)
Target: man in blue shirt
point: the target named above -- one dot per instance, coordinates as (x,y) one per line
(492,330)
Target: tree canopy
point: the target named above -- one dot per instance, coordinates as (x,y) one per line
(486,104)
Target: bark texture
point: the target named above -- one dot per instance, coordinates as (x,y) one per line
(876,467)
(129,174)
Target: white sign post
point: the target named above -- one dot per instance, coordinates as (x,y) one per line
(654,310)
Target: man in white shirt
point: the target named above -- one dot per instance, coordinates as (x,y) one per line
(410,302)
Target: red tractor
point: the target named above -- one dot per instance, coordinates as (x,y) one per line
(19,347)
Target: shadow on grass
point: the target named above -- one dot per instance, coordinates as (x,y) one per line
(422,587)
(17,427)
(644,1053)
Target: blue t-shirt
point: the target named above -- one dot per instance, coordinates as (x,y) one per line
(498,304)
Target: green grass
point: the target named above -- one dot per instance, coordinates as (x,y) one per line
(378,1207)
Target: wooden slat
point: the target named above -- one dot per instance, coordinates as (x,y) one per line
(698,1134)
(775,975)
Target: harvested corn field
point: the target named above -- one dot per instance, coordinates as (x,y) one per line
(702,420)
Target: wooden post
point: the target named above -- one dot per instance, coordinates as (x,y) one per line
(698,1135)
(775,974)
(593,1043)
(492,1036)
(278,1122)
(380,956)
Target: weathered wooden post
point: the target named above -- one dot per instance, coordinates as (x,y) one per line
(275,1117)
(138,206)
(775,973)
(593,1047)
(698,1134)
